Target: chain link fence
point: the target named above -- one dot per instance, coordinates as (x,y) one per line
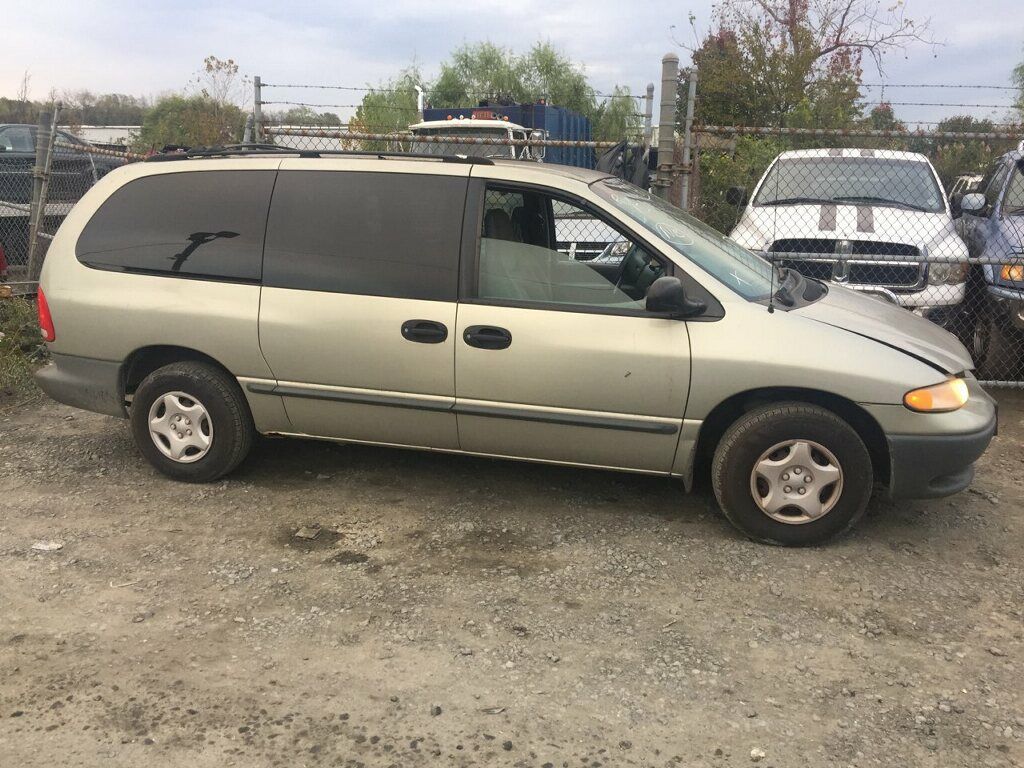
(43,172)
(930,222)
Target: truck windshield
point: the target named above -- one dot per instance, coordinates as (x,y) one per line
(748,275)
(464,148)
(1013,203)
(864,180)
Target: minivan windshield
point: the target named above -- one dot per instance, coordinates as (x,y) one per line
(748,275)
(868,180)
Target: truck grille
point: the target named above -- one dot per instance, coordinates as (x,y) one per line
(856,262)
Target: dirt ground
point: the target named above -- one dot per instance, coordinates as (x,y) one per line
(455,611)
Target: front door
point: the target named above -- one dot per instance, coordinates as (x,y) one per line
(556,358)
(357,314)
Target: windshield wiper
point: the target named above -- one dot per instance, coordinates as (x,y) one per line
(797,201)
(884,201)
(1017,210)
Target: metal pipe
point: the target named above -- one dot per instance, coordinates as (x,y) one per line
(419,101)
(684,180)
(41,186)
(667,124)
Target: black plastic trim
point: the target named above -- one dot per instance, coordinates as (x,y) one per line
(522,414)
(493,411)
(310,393)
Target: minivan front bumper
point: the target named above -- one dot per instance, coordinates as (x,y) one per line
(930,466)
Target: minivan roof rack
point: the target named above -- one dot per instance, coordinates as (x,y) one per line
(264,150)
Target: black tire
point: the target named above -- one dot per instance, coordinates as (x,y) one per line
(232,429)
(756,432)
(996,350)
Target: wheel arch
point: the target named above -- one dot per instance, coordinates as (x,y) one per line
(723,415)
(144,360)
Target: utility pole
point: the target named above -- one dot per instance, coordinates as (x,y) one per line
(257,107)
(667,125)
(648,114)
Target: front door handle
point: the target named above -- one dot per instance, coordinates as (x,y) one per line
(487,337)
(424,331)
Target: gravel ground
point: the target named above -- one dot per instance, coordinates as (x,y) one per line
(345,605)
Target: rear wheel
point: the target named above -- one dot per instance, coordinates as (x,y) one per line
(793,474)
(191,421)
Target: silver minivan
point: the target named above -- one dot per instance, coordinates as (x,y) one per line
(430,302)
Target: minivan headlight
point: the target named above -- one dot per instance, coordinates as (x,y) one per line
(938,398)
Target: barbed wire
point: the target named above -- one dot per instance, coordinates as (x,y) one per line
(371,89)
(940,85)
(934,104)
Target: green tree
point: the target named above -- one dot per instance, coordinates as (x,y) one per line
(487,71)
(190,121)
(307,116)
(794,63)
(390,106)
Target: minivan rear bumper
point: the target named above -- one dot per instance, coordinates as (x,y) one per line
(93,385)
(930,466)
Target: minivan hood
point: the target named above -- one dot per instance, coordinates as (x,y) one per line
(891,325)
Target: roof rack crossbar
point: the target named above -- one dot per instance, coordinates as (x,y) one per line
(256,150)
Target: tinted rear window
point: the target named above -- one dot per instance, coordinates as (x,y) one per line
(205,224)
(375,234)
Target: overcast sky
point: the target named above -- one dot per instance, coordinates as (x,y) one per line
(147,47)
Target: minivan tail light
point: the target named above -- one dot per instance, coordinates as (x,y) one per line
(45,318)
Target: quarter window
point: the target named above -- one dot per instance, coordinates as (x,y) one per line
(202,224)
(375,234)
(538,249)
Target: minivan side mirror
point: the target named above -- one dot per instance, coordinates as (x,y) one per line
(973,202)
(667,296)
(736,196)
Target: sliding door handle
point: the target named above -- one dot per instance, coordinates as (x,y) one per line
(424,331)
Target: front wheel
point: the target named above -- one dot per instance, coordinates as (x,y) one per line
(997,354)
(793,474)
(191,421)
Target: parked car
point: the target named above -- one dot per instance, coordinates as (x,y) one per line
(869,219)
(387,300)
(72,173)
(963,184)
(992,224)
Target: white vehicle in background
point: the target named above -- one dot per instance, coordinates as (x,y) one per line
(476,127)
(876,221)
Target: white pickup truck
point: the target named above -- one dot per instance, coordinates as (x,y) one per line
(874,220)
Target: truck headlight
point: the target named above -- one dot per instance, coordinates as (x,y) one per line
(1012,273)
(938,398)
(950,273)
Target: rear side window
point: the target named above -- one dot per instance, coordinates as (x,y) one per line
(201,224)
(374,234)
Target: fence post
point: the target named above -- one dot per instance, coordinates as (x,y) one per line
(686,170)
(257,107)
(46,132)
(648,114)
(667,124)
